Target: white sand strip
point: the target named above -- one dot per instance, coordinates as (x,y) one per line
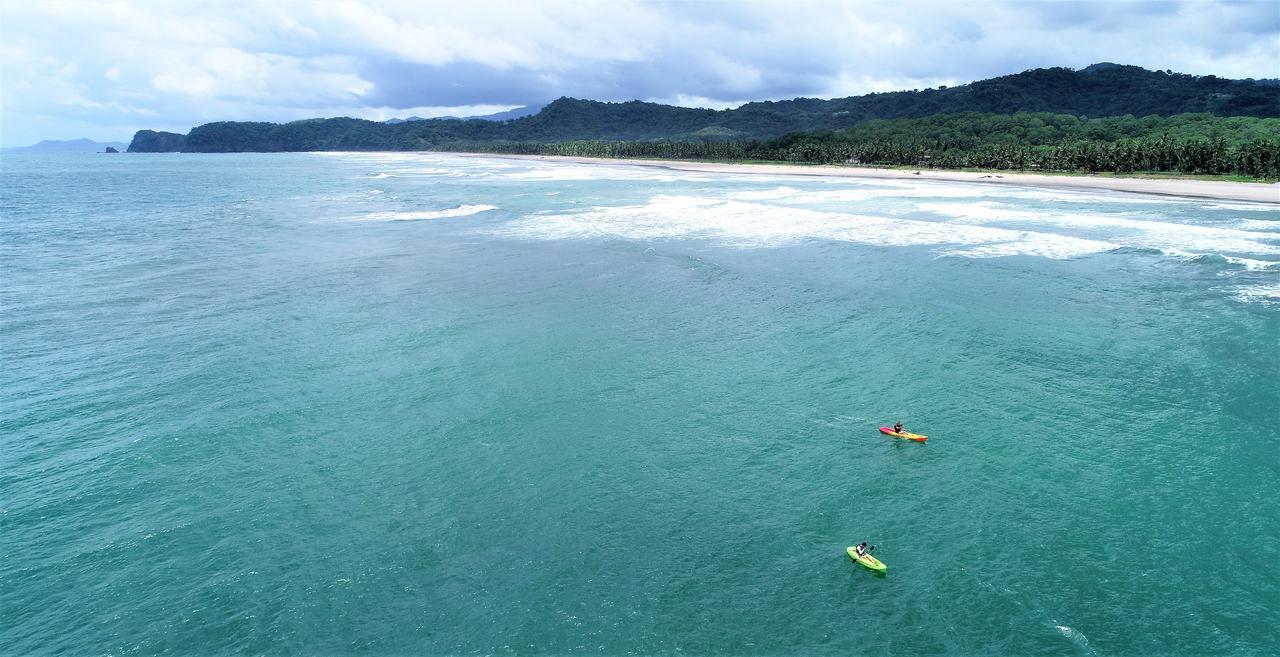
(1184,187)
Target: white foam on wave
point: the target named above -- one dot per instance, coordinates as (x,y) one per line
(1244,207)
(1267,294)
(1249,264)
(553,174)
(1076,636)
(381,174)
(1123,228)
(1252,264)
(460,211)
(758,225)
(766,194)
(1259,224)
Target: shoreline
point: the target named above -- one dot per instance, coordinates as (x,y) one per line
(1181,187)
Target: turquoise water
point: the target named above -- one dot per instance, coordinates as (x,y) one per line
(401,404)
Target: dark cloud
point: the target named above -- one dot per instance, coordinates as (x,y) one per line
(967,30)
(405,84)
(1254,18)
(776,74)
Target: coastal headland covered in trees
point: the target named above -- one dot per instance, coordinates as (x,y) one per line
(1103,118)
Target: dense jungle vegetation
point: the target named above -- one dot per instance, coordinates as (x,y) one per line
(1185,144)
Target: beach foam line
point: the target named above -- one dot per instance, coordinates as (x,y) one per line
(456,166)
(460,211)
(559,172)
(882,189)
(1242,207)
(930,189)
(436,171)
(753,225)
(425,164)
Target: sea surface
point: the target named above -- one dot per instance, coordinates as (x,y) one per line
(421,404)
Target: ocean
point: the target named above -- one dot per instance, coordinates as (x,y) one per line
(428,404)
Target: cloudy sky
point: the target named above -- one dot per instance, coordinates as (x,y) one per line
(105,69)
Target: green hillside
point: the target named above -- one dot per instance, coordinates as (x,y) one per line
(1101,90)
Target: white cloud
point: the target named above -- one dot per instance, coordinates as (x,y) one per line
(231,73)
(384,113)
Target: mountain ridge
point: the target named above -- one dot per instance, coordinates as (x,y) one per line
(66,146)
(1099,90)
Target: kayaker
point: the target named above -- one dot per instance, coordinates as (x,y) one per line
(862,550)
(897,428)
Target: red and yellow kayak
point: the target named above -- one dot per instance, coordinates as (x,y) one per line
(905,434)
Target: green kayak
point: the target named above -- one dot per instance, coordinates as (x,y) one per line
(868,561)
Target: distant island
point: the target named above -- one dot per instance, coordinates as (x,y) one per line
(1105,117)
(69,146)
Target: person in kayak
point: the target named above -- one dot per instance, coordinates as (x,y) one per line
(897,428)
(862,549)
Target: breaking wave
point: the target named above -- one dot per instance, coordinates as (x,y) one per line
(460,211)
(757,225)
(1126,229)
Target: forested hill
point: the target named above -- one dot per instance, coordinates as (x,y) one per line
(1097,91)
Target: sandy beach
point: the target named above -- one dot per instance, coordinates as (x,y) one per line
(1186,187)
